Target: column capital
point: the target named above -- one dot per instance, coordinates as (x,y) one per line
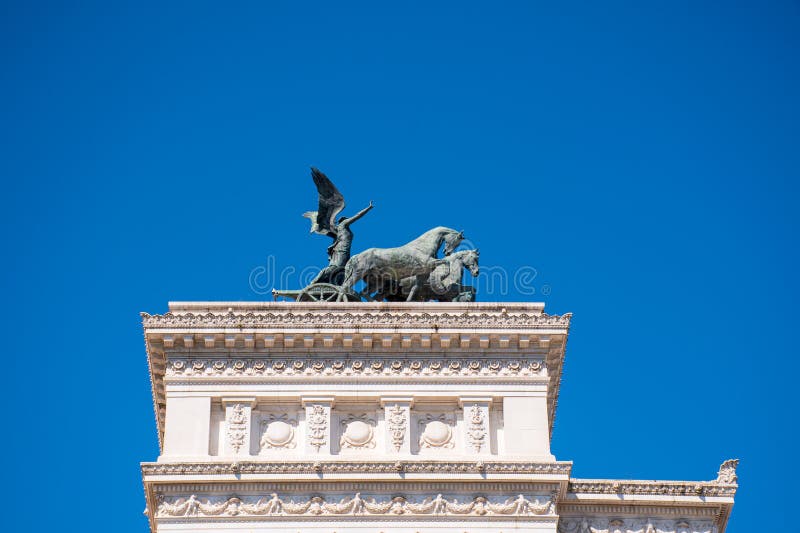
(474,399)
(307,400)
(386,400)
(249,401)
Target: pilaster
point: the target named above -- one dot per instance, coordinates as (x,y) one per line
(397,417)
(238,425)
(477,433)
(318,424)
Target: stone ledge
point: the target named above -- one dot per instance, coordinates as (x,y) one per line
(560,468)
(408,315)
(617,488)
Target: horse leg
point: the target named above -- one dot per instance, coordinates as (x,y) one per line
(352,273)
(415,288)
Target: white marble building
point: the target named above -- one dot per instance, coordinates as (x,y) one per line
(381,417)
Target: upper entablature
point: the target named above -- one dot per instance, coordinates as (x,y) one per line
(484,341)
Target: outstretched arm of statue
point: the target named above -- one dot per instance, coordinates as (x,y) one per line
(359,214)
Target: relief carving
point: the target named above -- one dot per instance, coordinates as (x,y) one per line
(476,430)
(388,367)
(317,426)
(437,432)
(283,320)
(237,427)
(277,431)
(727,472)
(357,432)
(631,525)
(397,423)
(520,505)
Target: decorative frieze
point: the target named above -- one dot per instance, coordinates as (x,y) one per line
(393,367)
(633,525)
(382,505)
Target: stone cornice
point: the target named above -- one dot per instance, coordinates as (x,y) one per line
(393,468)
(587,496)
(619,487)
(380,315)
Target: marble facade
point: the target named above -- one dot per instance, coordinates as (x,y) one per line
(381,417)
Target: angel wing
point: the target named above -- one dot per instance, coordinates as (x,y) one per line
(331,203)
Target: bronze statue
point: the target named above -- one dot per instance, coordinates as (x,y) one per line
(379,266)
(323,222)
(443,284)
(412,272)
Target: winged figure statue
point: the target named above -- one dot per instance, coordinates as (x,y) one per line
(324,222)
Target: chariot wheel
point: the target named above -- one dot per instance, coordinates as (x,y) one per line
(326,292)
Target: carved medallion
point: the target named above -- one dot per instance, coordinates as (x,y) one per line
(437,432)
(277,431)
(358,432)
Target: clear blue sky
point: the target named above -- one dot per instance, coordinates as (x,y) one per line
(642,157)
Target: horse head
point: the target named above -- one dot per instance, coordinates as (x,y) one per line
(469,259)
(451,241)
